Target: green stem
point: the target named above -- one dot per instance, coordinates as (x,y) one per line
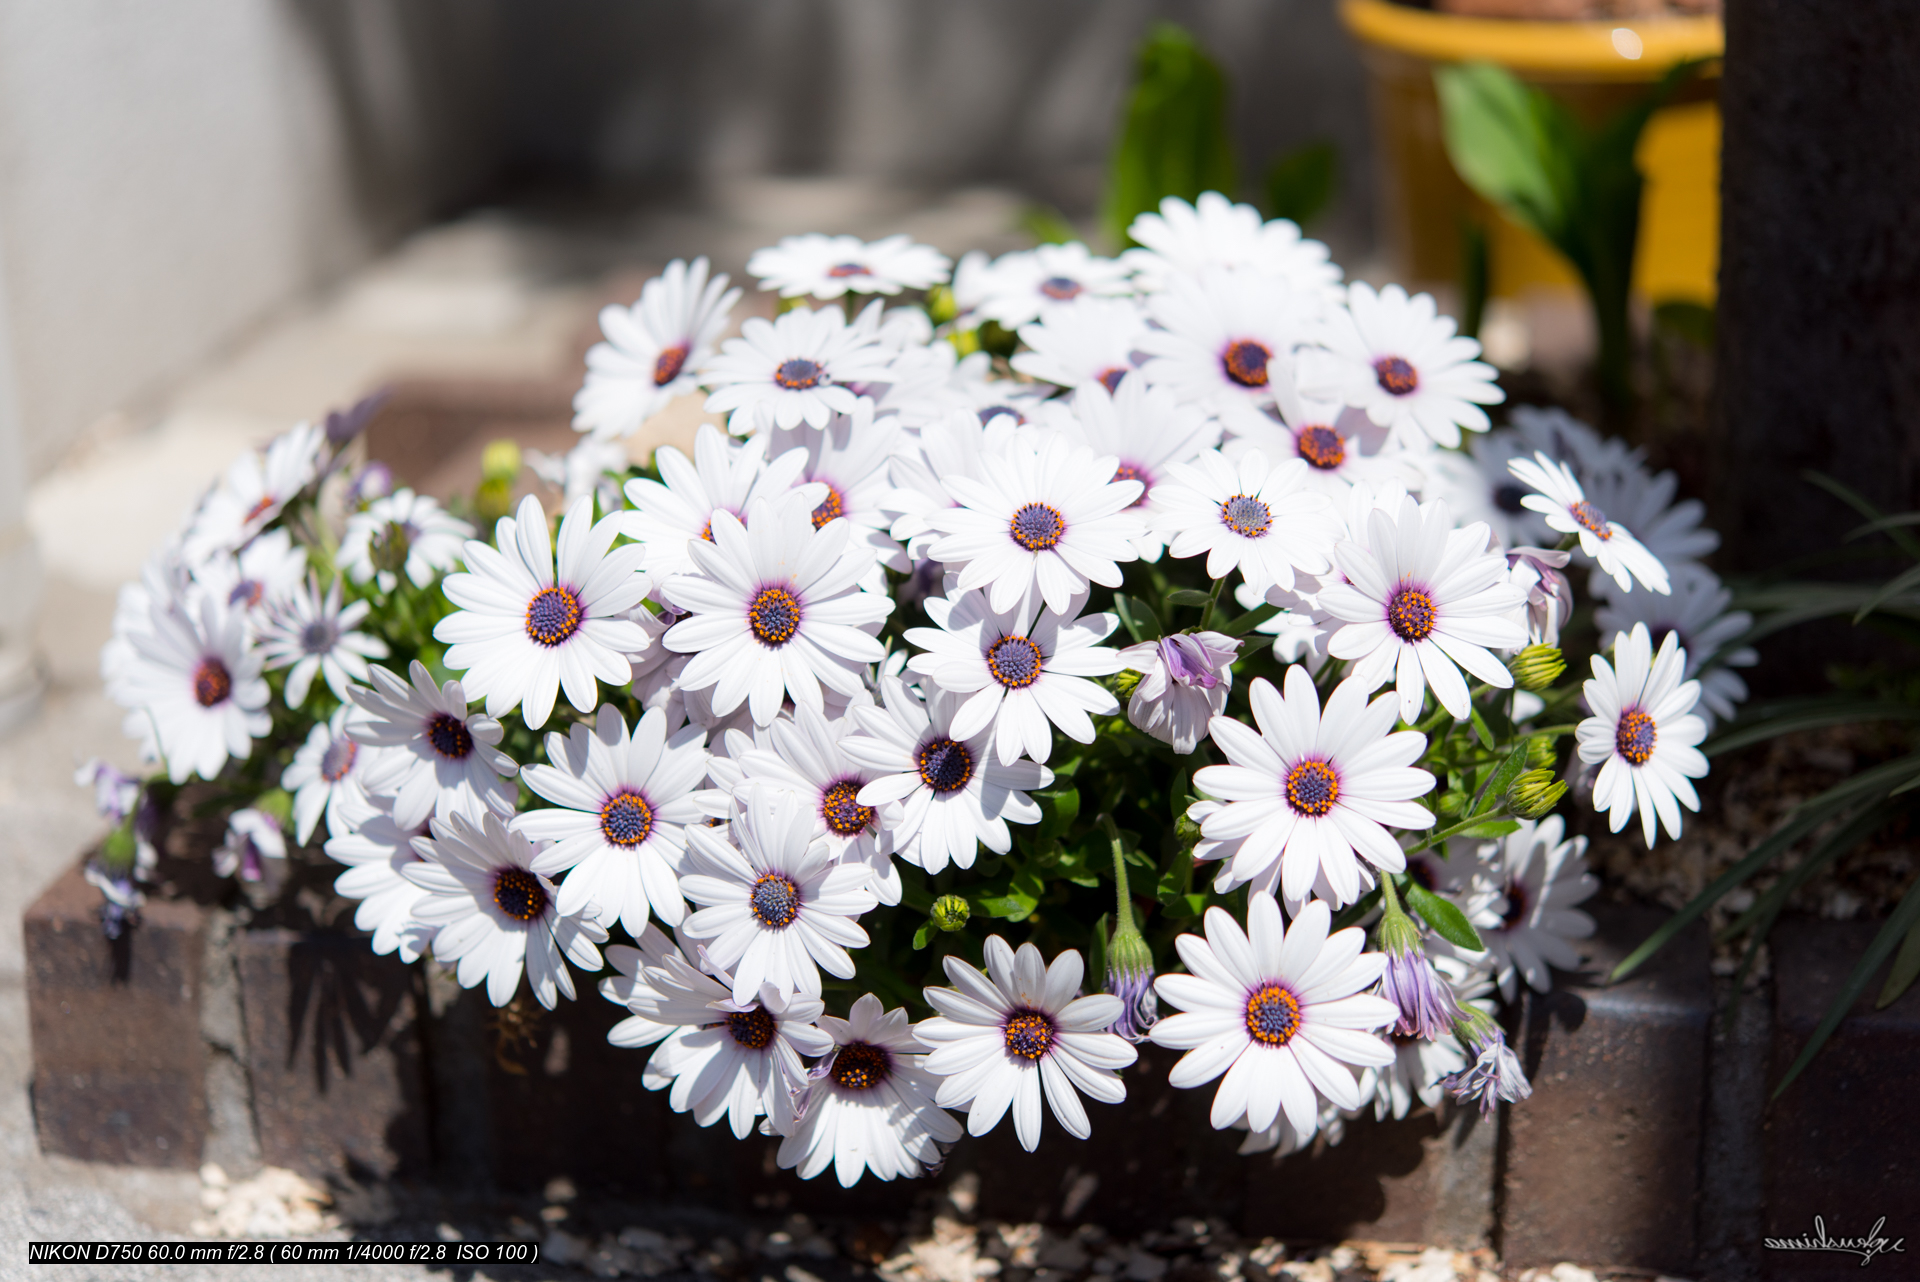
(1206,615)
(1122,893)
(1434,839)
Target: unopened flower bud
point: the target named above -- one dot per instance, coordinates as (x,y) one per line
(941,306)
(950,912)
(1427,1006)
(500,461)
(390,547)
(1538,666)
(1125,682)
(1535,793)
(1541,754)
(1130,978)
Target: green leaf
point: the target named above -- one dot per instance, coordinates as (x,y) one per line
(1903,921)
(1491,829)
(1183,907)
(1906,968)
(1445,918)
(1249,621)
(1501,137)
(1174,139)
(1141,622)
(1864,506)
(1046,225)
(1189,596)
(1805,817)
(923,936)
(1010,904)
(1909,578)
(1300,183)
(1766,721)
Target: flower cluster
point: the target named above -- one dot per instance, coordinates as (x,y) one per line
(934,640)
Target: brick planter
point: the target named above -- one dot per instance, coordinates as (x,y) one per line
(356,1067)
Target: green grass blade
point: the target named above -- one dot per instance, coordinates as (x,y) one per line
(1859,503)
(1770,721)
(1806,817)
(1760,916)
(1904,918)
(1906,969)
(1909,578)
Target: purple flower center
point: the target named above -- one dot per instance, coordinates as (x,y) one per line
(668,364)
(449,736)
(552,616)
(861,1066)
(1395,376)
(1029,1033)
(338,759)
(840,807)
(799,374)
(1592,518)
(1635,737)
(626,819)
(752,1029)
(774,616)
(1110,377)
(318,637)
(1014,662)
(518,893)
(1061,288)
(945,765)
(1245,362)
(1321,447)
(840,271)
(1312,788)
(1246,516)
(1410,614)
(212,683)
(831,507)
(774,901)
(1273,1015)
(1037,527)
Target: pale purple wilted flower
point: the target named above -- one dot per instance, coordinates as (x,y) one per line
(1427,1006)
(253,837)
(371,482)
(1549,595)
(344,425)
(1185,679)
(1495,1073)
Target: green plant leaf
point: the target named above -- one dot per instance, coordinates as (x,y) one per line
(1300,183)
(1760,915)
(1249,621)
(1189,596)
(1910,578)
(1445,918)
(1864,506)
(1906,969)
(1501,137)
(1174,139)
(1899,925)
(1807,816)
(1766,721)
(923,936)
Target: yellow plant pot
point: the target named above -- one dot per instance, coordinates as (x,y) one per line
(1594,67)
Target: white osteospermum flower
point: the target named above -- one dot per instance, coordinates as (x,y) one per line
(678,509)
(1050,520)
(1339,445)
(953,796)
(791,370)
(1280,1012)
(1217,334)
(1670,532)
(1401,361)
(717,1057)
(1695,611)
(621,805)
(1020,287)
(1022,1030)
(870,1106)
(1023,671)
(1421,601)
(1478,487)
(1421,1065)
(254,491)
(1148,431)
(1314,789)
(1090,340)
(312,633)
(404,529)
(494,915)
(444,758)
(849,461)
(194,687)
(777,610)
(1610,545)
(253,837)
(261,575)
(829,266)
(1249,516)
(1643,734)
(1185,679)
(774,906)
(652,349)
(806,756)
(528,628)
(377,854)
(328,776)
(957,445)
(1540,874)
(1183,239)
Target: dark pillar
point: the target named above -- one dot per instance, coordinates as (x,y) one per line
(1819,336)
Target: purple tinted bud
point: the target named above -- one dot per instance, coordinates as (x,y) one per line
(374,481)
(1139,1007)
(344,425)
(1549,595)
(114,794)
(1191,661)
(1427,1006)
(1494,1075)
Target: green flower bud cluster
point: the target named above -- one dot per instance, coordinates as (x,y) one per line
(1538,666)
(950,912)
(1535,793)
